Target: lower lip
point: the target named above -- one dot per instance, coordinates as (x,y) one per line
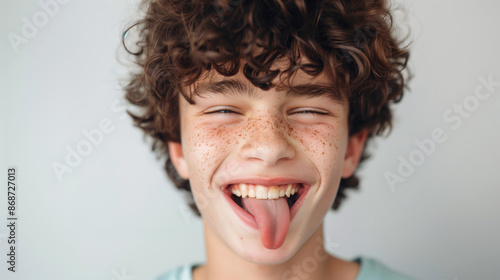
(249,219)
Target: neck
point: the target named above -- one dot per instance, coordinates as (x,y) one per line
(310,262)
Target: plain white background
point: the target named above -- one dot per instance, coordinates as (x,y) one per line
(116,214)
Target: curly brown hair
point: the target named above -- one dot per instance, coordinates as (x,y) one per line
(351,41)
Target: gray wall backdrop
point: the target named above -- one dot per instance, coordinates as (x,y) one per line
(115,214)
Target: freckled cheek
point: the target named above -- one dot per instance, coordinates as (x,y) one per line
(208,146)
(321,145)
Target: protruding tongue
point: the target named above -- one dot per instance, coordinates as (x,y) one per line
(273,219)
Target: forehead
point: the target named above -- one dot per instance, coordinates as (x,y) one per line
(298,85)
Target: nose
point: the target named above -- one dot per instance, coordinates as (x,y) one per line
(268,141)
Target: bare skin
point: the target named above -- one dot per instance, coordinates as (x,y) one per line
(251,133)
(311,255)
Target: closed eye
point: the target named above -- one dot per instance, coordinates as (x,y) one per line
(310,112)
(219,110)
(223,111)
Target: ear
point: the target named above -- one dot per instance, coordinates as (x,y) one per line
(177,157)
(353,153)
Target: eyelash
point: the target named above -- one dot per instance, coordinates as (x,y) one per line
(311,112)
(222,111)
(228,111)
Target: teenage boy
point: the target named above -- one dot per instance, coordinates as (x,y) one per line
(262,110)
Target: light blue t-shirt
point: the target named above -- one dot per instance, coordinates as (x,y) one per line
(370,269)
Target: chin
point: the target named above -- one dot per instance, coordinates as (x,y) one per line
(261,255)
(251,249)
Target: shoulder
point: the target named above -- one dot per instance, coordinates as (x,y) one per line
(178,273)
(372,269)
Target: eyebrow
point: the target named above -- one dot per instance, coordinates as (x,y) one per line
(231,86)
(227,86)
(313,90)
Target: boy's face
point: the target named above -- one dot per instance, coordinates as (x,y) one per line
(237,133)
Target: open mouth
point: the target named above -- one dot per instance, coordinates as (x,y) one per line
(268,209)
(293,193)
(290,192)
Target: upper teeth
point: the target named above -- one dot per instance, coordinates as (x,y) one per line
(263,192)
